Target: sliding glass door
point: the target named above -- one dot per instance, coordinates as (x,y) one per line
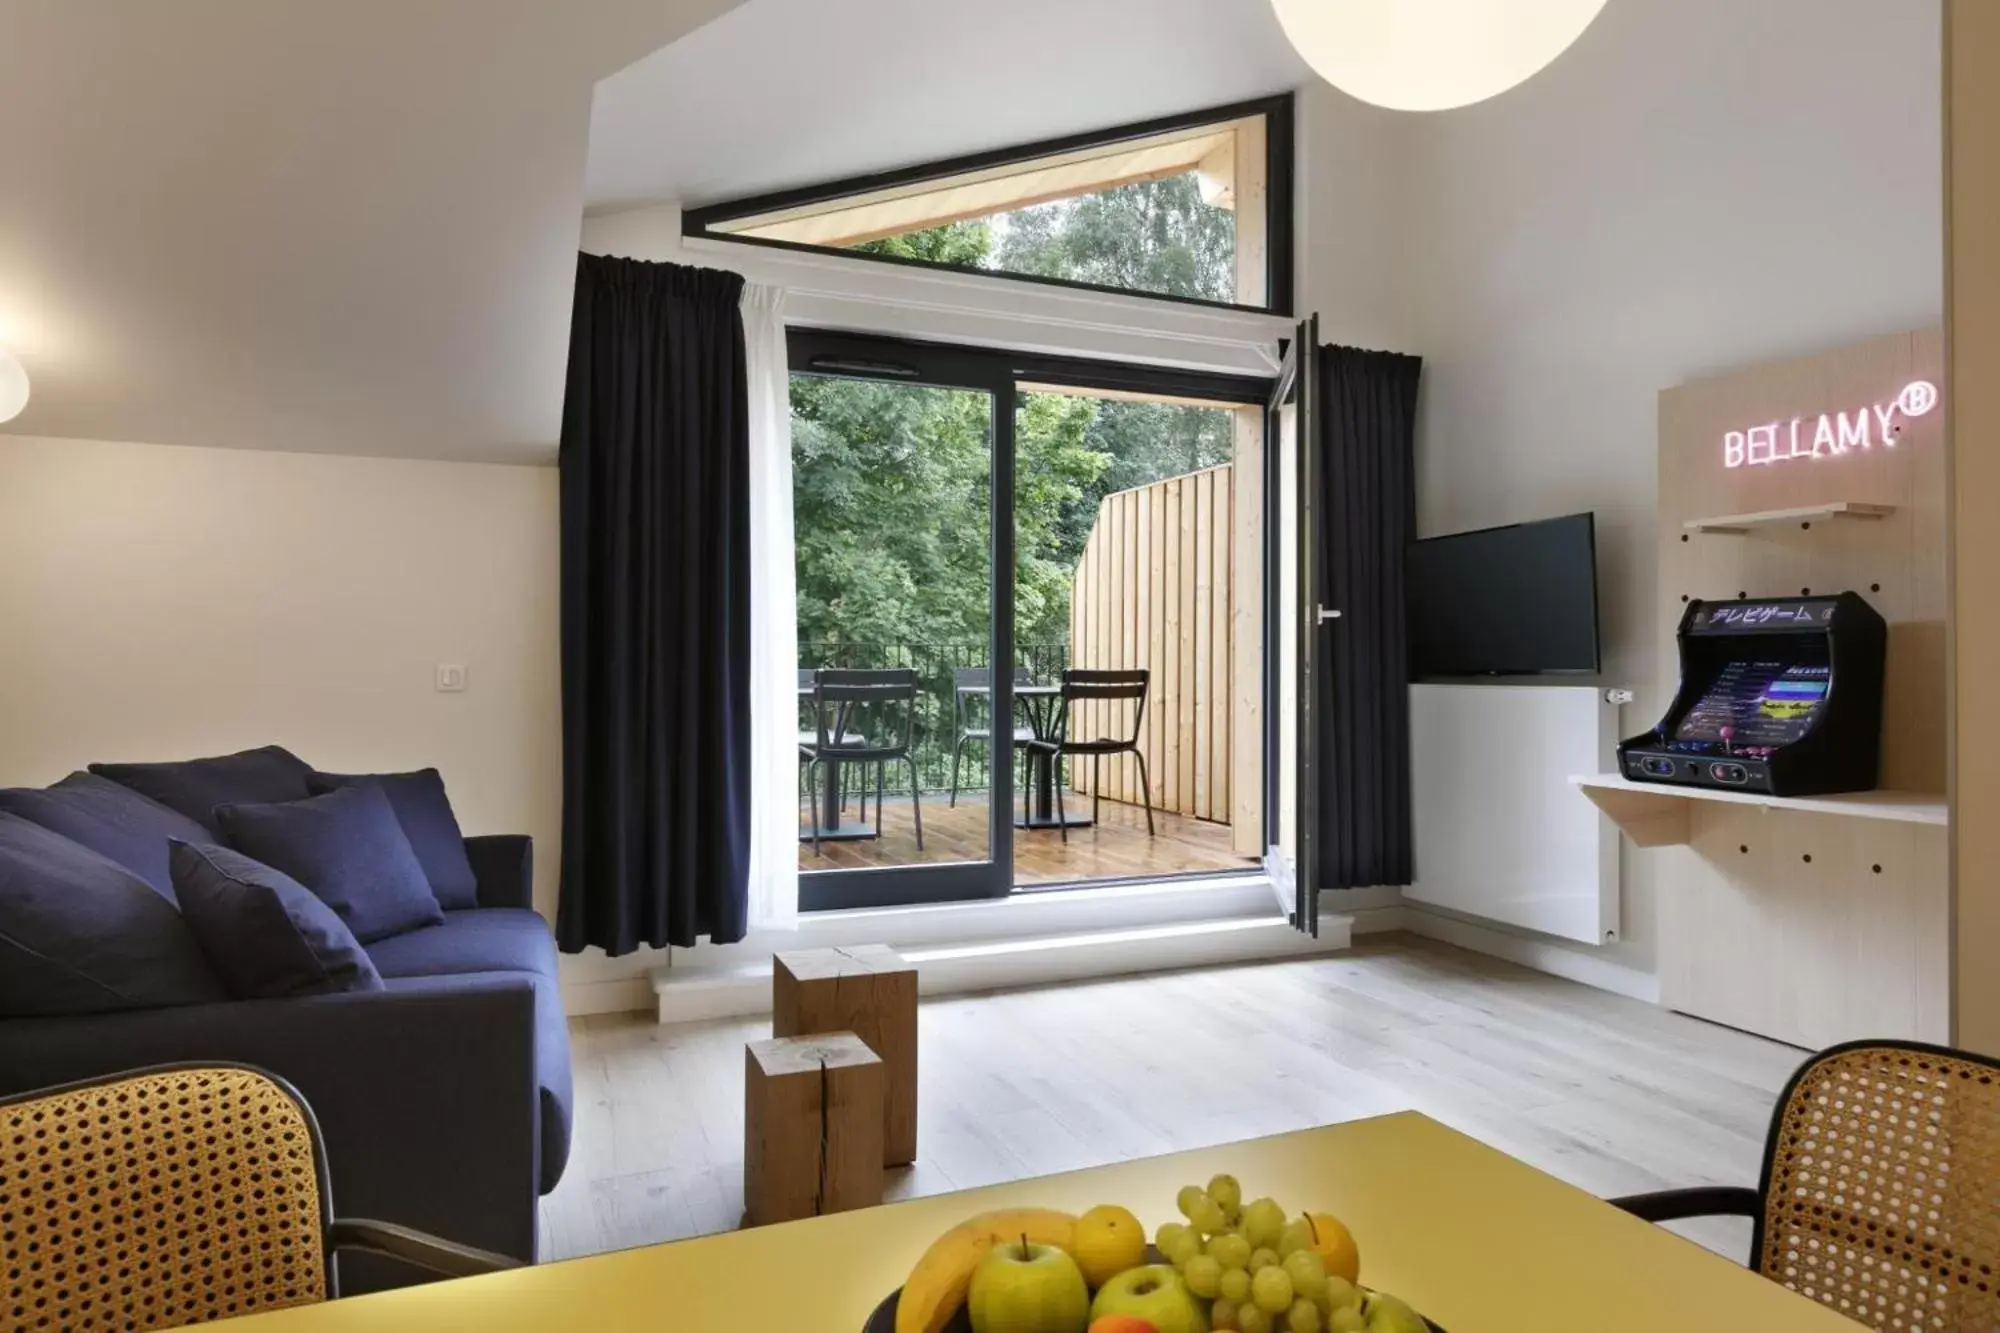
(973,530)
(1298,620)
(901,481)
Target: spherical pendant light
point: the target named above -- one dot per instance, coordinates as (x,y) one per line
(13,386)
(1430,55)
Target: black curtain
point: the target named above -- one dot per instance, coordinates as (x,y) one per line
(1366,515)
(655,609)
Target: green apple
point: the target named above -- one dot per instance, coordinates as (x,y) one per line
(1386,1314)
(1155,1294)
(1023,1288)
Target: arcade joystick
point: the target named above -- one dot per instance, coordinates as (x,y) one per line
(1728,733)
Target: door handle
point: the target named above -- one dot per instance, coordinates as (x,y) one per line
(1322,614)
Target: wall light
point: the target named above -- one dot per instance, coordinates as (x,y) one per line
(13,386)
(1431,55)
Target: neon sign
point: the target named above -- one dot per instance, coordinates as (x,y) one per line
(1836,433)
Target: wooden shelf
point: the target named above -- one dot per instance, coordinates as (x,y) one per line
(1655,814)
(1741,523)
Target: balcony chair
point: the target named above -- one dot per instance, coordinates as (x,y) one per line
(1880,1195)
(176,1195)
(865,717)
(969,685)
(1081,685)
(808,738)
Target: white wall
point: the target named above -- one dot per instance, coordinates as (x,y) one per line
(1697,185)
(161,602)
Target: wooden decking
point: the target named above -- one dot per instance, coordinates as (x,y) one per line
(1116,847)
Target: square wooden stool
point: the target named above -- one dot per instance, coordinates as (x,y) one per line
(868,990)
(812,1127)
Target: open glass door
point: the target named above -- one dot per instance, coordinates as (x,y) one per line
(1296,618)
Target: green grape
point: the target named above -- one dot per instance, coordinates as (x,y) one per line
(1298,1235)
(1222,1315)
(1230,1250)
(1261,1259)
(1342,1294)
(1190,1198)
(1225,1191)
(1303,1317)
(1263,1222)
(1307,1272)
(1168,1238)
(1207,1218)
(1187,1245)
(1271,1290)
(1236,1284)
(1203,1276)
(1250,1319)
(1346,1319)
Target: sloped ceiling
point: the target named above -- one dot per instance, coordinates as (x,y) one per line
(786,92)
(344,226)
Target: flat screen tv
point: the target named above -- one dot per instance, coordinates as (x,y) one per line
(1513,601)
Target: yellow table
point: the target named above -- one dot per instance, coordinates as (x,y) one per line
(1476,1240)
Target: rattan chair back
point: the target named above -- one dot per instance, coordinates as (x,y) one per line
(1882,1188)
(167,1197)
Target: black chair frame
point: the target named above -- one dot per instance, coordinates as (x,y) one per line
(1680,1205)
(969,684)
(1085,685)
(838,695)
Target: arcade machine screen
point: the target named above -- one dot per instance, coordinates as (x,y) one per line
(1754,708)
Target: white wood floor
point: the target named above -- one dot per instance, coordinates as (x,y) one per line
(1608,1093)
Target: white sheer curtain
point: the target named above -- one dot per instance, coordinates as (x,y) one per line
(774,635)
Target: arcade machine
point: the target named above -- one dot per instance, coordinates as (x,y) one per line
(1782,697)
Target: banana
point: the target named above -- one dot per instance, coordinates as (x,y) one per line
(937,1286)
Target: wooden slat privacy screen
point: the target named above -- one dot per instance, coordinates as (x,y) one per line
(1153,589)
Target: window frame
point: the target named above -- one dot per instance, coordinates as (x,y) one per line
(1276,111)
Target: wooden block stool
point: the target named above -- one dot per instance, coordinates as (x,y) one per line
(870,991)
(812,1127)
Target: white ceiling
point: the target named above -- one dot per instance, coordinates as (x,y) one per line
(351,225)
(338,225)
(788,92)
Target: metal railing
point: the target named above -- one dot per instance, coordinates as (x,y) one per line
(936,722)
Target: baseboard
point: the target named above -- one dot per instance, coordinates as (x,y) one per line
(953,969)
(1541,955)
(614,995)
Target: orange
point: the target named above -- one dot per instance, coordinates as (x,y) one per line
(1335,1244)
(1108,1241)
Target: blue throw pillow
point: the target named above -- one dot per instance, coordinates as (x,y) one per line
(345,846)
(111,820)
(425,813)
(81,934)
(196,786)
(268,937)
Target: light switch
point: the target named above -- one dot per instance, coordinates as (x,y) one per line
(450,677)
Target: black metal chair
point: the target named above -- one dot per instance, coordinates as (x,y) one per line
(968,686)
(809,738)
(865,717)
(1083,685)
(1880,1195)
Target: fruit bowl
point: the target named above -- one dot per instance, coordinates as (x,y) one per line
(883,1320)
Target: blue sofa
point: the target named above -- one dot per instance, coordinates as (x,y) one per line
(445,1098)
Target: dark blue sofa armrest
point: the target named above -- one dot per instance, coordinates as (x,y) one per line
(427,1100)
(504,865)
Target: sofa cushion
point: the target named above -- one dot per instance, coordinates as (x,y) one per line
(268,937)
(196,786)
(345,846)
(552,1066)
(481,939)
(81,934)
(424,811)
(112,820)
